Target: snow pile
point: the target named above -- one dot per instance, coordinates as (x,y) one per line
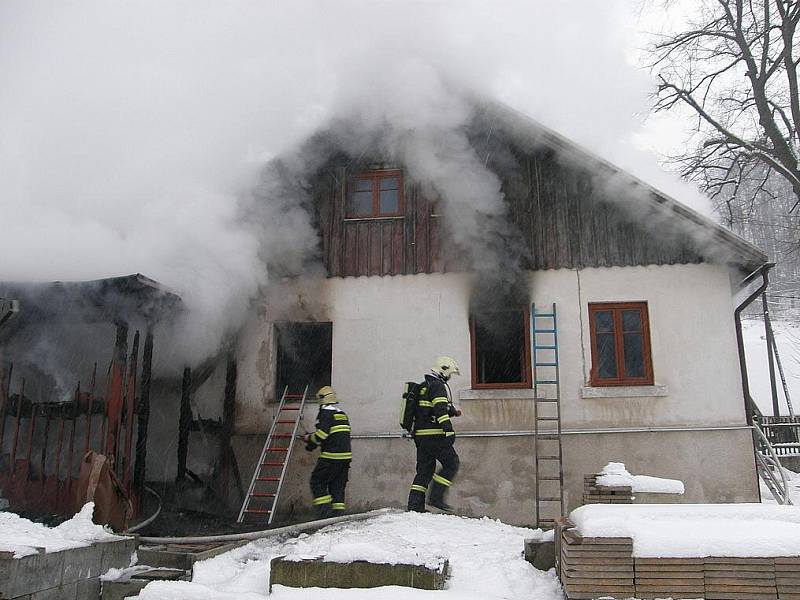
(485,561)
(23,537)
(353,551)
(615,474)
(696,530)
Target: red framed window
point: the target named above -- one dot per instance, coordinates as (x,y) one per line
(620,333)
(376,194)
(500,349)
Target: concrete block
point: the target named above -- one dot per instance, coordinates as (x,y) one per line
(117,590)
(88,589)
(180,556)
(30,574)
(356,574)
(541,555)
(82,563)
(117,553)
(67,591)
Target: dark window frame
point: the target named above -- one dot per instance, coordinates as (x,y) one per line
(375,178)
(527,382)
(621,380)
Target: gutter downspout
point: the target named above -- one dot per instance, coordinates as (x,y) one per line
(749,405)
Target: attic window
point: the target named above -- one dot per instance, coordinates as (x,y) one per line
(620,344)
(500,349)
(376,194)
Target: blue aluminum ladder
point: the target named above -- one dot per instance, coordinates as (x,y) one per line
(549,471)
(262,496)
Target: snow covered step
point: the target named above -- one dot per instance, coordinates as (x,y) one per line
(318,572)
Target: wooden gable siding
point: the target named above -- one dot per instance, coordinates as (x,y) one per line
(353,247)
(568,224)
(562,219)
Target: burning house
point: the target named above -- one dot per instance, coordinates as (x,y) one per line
(593,318)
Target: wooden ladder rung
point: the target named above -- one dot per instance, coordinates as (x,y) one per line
(286,421)
(272,463)
(268,478)
(549,499)
(277,449)
(262,495)
(547,418)
(550,457)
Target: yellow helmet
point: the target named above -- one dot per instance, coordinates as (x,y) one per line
(444,366)
(326,395)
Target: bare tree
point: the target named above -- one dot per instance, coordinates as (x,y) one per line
(734,67)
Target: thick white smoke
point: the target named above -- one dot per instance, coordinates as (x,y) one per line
(132,134)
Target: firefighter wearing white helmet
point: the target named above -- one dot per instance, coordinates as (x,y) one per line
(332,434)
(434,437)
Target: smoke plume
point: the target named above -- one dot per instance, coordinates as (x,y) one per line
(142,136)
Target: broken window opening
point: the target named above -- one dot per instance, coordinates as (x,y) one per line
(500,349)
(304,357)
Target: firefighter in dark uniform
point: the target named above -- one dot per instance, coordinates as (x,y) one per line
(332,434)
(434,436)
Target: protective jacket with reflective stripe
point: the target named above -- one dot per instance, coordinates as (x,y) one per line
(434,410)
(332,433)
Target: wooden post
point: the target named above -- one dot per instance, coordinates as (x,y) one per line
(228,416)
(143,411)
(184,423)
(130,401)
(115,391)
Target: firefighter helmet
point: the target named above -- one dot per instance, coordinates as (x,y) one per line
(444,367)
(326,395)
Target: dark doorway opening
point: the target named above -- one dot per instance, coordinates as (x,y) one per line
(305,356)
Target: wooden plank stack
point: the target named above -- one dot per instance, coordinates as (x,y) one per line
(728,578)
(603,494)
(787,577)
(592,567)
(669,577)
(606,568)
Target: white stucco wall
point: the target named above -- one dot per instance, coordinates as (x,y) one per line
(387,330)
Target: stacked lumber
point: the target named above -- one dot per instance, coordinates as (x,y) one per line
(593,567)
(787,577)
(669,577)
(729,578)
(604,494)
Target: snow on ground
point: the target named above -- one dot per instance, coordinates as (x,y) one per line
(485,562)
(615,474)
(22,537)
(787,338)
(696,530)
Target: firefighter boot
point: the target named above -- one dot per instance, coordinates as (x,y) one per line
(324,511)
(416,500)
(436,497)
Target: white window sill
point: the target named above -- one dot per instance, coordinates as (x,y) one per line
(501,394)
(625,391)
